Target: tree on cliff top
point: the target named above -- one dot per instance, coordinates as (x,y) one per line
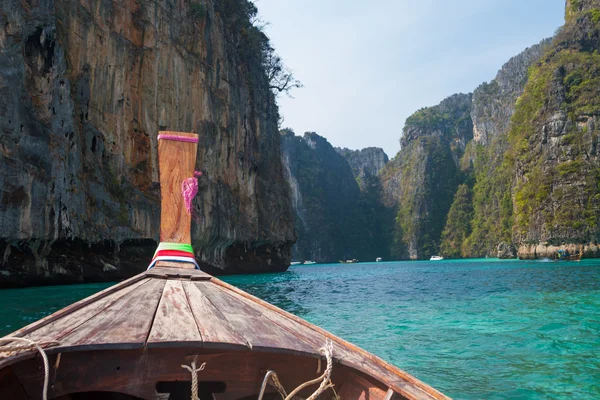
(255,46)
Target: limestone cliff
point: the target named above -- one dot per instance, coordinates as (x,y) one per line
(334,219)
(553,142)
(533,162)
(84,89)
(365,163)
(424,175)
(493,107)
(494,102)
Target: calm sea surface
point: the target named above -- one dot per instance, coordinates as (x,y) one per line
(474,329)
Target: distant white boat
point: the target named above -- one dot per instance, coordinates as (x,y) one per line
(379,259)
(295,263)
(436,258)
(309,262)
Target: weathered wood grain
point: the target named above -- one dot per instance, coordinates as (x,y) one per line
(58,329)
(76,306)
(317,340)
(353,356)
(136,372)
(124,325)
(176,163)
(358,388)
(165,273)
(306,333)
(259,332)
(174,324)
(214,327)
(174,264)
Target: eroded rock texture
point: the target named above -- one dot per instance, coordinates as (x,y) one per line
(554,142)
(84,88)
(365,163)
(335,220)
(424,175)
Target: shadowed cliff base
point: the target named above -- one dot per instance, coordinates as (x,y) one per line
(42,262)
(242,258)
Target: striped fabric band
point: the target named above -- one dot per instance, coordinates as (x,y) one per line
(179,252)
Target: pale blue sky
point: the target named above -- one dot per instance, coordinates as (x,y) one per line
(366,66)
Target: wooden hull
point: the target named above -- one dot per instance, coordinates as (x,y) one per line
(132,340)
(138,373)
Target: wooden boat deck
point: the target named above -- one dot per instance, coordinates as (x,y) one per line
(132,339)
(183,308)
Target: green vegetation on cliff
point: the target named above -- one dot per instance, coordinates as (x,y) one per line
(559,179)
(458,224)
(424,176)
(538,182)
(429,179)
(492,202)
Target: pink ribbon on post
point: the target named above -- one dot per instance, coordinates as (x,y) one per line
(189,186)
(189,190)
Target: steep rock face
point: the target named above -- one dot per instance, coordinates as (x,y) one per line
(424,175)
(494,102)
(553,150)
(334,219)
(493,106)
(506,251)
(365,163)
(458,223)
(84,89)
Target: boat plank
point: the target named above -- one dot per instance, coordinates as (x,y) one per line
(174,264)
(58,329)
(11,385)
(174,323)
(358,388)
(351,355)
(76,306)
(184,273)
(123,325)
(318,340)
(136,372)
(214,327)
(258,331)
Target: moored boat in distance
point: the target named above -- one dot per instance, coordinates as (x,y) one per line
(296,263)
(309,262)
(436,258)
(353,261)
(564,255)
(175,332)
(379,259)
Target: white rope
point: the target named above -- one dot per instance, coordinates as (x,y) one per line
(30,344)
(194,371)
(325,378)
(327,350)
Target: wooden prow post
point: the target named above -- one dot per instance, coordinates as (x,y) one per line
(176,160)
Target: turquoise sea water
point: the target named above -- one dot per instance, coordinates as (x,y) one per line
(474,329)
